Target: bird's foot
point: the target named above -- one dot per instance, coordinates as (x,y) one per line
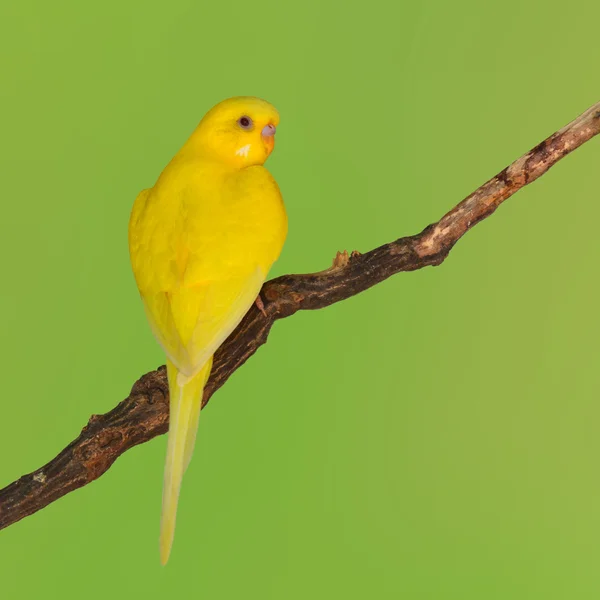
(260,305)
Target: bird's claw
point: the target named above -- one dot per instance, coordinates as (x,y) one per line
(260,305)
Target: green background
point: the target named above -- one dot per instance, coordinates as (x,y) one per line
(433,438)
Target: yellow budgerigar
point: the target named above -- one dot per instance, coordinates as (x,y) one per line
(201,242)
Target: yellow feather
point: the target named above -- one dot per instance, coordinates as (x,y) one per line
(201,242)
(185,405)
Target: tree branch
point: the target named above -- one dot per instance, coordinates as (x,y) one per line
(144,413)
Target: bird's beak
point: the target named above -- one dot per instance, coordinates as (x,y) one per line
(268,136)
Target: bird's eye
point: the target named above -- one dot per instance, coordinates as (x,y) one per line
(245,122)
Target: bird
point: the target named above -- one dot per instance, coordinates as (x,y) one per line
(201,243)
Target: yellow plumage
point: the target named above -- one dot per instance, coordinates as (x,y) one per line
(201,242)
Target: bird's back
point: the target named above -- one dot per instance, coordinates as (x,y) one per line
(202,241)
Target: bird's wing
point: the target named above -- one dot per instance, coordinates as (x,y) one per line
(189,316)
(191,323)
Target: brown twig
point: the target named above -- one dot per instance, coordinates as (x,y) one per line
(144,413)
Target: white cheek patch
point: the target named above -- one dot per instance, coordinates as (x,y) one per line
(243,151)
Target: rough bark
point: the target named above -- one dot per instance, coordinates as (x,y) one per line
(144,413)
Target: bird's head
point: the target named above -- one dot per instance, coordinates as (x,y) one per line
(239,131)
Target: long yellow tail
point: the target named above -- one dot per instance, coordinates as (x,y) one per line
(185,405)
